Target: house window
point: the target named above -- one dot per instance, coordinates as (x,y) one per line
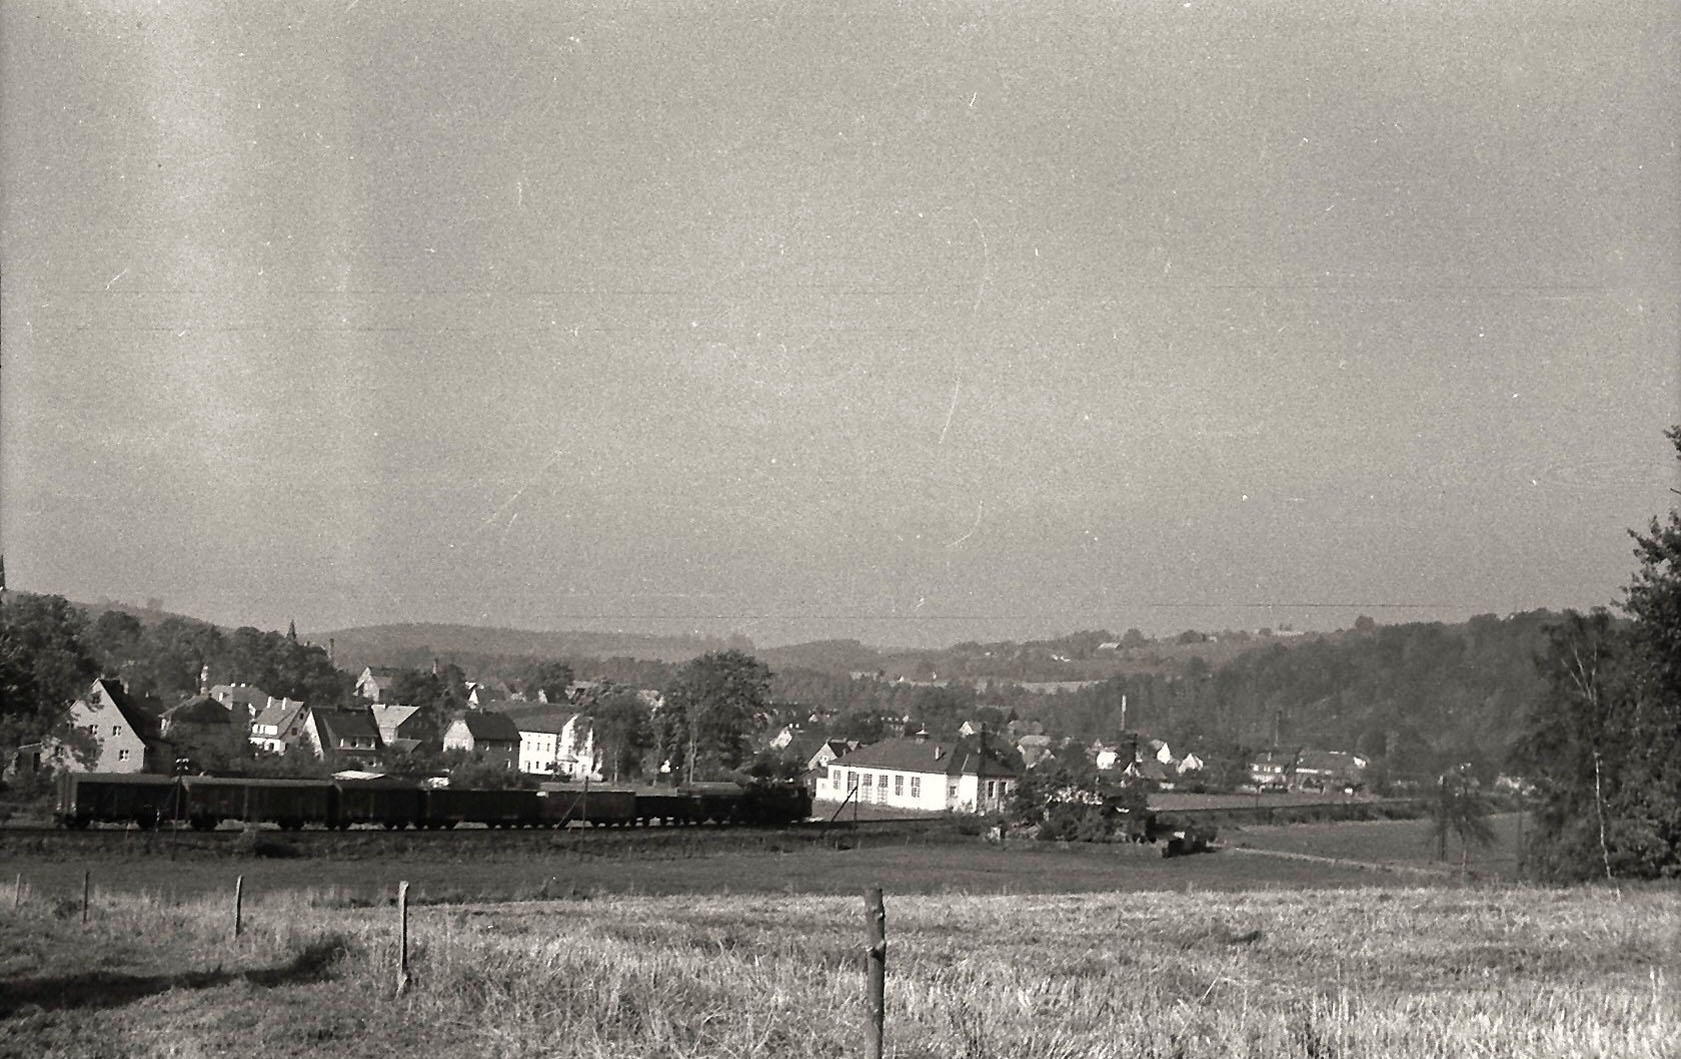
(835,776)
(916,786)
(852,781)
(898,786)
(122,755)
(116,729)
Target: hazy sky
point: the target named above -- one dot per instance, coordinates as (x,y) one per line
(911,322)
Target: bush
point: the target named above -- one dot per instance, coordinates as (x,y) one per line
(254,843)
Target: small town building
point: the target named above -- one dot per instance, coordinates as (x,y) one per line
(376,682)
(919,773)
(246,700)
(279,726)
(554,741)
(492,737)
(342,738)
(127,736)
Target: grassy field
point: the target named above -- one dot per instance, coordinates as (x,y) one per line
(1360,972)
(929,863)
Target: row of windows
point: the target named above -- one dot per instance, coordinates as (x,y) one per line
(874,780)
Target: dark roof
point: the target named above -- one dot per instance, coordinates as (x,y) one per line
(335,725)
(200,709)
(925,755)
(144,724)
(537,717)
(496,727)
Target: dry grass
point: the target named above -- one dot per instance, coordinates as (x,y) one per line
(1509,972)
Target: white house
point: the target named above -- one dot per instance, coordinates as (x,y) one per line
(279,726)
(555,741)
(919,773)
(126,735)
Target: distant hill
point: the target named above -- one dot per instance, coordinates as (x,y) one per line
(415,645)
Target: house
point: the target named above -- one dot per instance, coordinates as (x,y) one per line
(247,699)
(203,724)
(279,726)
(829,751)
(128,737)
(342,738)
(491,736)
(1035,750)
(1190,763)
(787,735)
(554,741)
(376,682)
(1151,771)
(1329,770)
(488,694)
(1272,769)
(401,727)
(919,773)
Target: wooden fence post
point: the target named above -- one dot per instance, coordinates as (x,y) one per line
(238,905)
(17,892)
(87,885)
(875,929)
(403,943)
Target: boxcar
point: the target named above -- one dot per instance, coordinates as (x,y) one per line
(208,800)
(84,797)
(447,807)
(559,805)
(391,803)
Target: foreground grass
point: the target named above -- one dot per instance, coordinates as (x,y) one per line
(1440,972)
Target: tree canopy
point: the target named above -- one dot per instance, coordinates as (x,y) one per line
(1602,744)
(711,707)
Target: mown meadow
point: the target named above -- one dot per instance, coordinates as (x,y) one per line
(1355,972)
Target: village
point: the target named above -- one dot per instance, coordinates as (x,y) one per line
(528,738)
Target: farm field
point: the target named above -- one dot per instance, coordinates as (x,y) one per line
(1398,843)
(929,864)
(1394,972)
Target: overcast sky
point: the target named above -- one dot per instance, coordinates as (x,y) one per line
(909,322)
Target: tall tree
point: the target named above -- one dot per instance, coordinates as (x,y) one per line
(623,731)
(1462,812)
(552,679)
(711,708)
(44,666)
(1603,744)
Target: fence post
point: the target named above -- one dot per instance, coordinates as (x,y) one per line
(87,885)
(238,905)
(875,929)
(403,944)
(17,893)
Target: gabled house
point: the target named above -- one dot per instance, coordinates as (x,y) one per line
(1035,751)
(1273,769)
(491,736)
(245,700)
(376,682)
(555,741)
(202,723)
(342,738)
(920,773)
(401,727)
(829,751)
(127,735)
(279,726)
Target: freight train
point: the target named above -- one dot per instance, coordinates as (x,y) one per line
(204,802)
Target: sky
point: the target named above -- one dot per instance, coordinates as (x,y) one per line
(911,323)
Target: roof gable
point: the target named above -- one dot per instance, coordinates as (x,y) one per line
(927,756)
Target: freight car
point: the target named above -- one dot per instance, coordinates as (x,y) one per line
(204,802)
(89,796)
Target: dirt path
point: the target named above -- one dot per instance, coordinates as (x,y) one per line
(1344,862)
